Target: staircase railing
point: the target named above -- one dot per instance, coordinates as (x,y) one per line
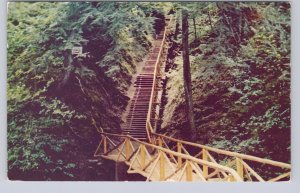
(149,127)
(234,160)
(139,155)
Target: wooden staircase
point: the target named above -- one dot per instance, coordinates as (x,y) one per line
(162,158)
(137,116)
(145,81)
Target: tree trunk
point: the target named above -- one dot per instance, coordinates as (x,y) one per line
(195,30)
(242,27)
(187,72)
(210,23)
(176,30)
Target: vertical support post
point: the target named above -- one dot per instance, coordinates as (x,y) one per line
(179,159)
(239,167)
(161,167)
(159,141)
(205,158)
(127,148)
(153,142)
(189,172)
(143,156)
(104,144)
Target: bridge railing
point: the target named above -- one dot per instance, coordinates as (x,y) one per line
(266,170)
(158,163)
(150,127)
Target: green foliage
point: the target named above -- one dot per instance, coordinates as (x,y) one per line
(241,77)
(55,98)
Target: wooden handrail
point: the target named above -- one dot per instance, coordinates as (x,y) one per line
(183,156)
(229,153)
(149,128)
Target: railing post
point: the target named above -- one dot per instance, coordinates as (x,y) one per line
(189,172)
(161,167)
(239,167)
(104,144)
(159,141)
(205,158)
(143,156)
(153,140)
(179,159)
(127,148)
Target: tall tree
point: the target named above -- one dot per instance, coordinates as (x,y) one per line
(187,72)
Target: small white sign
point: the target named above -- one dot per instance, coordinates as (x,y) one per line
(77,50)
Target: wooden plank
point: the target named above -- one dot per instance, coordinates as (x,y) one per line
(213,160)
(239,167)
(247,174)
(153,168)
(151,161)
(121,151)
(198,171)
(97,152)
(166,146)
(116,147)
(280,177)
(104,145)
(205,167)
(127,148)
(252,172)
(174,173)
(179,159)
(198,154)
(189,172)
(132,160)
(169,162)
(182,173)
(159,142)
(161,167)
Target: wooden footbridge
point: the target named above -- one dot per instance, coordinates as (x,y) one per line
(161,158)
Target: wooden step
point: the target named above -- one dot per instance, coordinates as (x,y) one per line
(149,76)
(139,123)
(134,130)
(138,135)
(141,102)
(138,120)
(141,132)
(143,94)
(143,86)
(140,106)
(143,124)
(143,82)
(145,78)
(139,111)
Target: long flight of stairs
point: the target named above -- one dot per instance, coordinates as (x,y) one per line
(137,116)
(168,159)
